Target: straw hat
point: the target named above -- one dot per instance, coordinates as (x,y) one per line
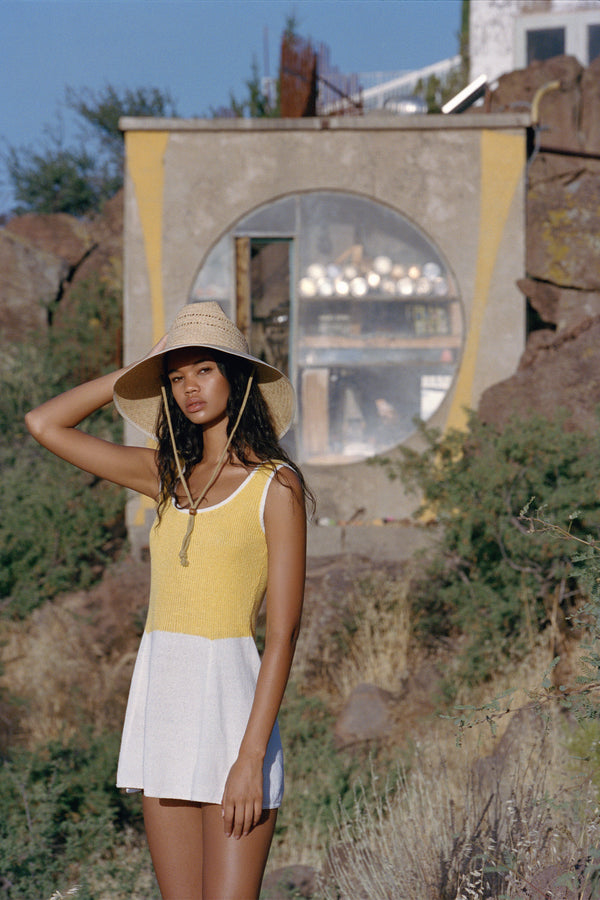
(137,393)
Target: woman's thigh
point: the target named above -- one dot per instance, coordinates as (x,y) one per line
(174,833)
(233,868)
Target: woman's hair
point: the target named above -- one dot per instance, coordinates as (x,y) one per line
(254,436)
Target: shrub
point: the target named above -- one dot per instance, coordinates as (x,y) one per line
(58,526)
(59,807)
(489,578)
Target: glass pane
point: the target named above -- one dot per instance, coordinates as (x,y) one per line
(215,278)
(273,220)
(593,42)
(360,309)
(379,328)
(544,43)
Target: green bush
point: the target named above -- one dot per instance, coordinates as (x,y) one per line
(59,808)
(58,526)
(489,579)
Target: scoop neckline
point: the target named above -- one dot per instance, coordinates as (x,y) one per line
(200,511)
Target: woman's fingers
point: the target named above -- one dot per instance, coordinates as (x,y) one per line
(239,818)
(159,346)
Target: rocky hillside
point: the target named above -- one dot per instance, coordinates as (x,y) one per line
(560,365)
(42,257)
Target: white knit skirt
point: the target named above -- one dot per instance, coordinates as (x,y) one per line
(188,707)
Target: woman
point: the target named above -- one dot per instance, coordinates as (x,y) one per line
(200,737)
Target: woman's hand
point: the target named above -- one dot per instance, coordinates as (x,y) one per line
(242,801)
(158,347)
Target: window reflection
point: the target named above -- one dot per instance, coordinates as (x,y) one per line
(356,303)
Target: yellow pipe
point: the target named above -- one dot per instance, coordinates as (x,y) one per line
(535,103)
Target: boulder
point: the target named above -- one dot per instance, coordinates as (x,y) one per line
(43,256)
(30,278)
(561,881)
(290,883)
(589,120)
(59,234)
(562,307)
(558,109)
(563,231)
(556,371)
(367,715)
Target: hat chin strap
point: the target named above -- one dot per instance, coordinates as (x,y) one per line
(194,504)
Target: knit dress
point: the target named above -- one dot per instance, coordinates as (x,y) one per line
(197,665)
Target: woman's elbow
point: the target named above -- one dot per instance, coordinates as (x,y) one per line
(283,639)
(34,422)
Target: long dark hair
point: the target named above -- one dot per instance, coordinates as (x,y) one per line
(253,438)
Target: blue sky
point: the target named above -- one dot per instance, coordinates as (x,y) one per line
(199,50)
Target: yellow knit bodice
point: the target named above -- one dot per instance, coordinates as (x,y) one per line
(219,593)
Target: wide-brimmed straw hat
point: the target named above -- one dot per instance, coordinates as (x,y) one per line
(137,393)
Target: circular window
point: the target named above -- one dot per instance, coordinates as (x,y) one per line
(358,307)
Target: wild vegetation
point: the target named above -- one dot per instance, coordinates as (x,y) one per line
(76,178)
(59,527)
(490,578)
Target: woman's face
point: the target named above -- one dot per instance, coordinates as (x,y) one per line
(200,389)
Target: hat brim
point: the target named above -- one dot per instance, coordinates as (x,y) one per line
(137,392)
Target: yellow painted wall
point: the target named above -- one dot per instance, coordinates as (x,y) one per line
(502,163)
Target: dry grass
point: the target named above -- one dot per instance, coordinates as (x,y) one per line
(378,650)
(54,663)
(441,838)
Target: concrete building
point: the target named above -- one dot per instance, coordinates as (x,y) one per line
(374,259)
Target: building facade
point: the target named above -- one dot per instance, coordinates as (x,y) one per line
(374,259)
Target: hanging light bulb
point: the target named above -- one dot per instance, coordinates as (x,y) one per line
(316,271)
(308,287)
(382,265)
(406,287)
(359,286)
(431,270)
(342,287)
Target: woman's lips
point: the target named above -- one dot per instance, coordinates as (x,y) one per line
(195,405)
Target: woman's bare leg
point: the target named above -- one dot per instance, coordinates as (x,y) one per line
(174,832)
(233,869)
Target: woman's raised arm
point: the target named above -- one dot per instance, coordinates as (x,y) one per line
(54,425)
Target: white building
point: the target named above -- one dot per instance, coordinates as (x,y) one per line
(510,34)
